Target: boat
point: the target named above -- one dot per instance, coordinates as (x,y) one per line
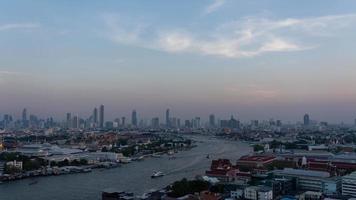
(207,156)
(157,174)
(33,183)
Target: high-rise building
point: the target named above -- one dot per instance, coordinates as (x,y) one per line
(95,115)
(123,119)
(168,123)
(134,118)
(24,115)
(306,120)
(75,122)
(101,116)
(155,122)
(212,121)
(69,120)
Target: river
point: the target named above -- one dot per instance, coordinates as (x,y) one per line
(133,177)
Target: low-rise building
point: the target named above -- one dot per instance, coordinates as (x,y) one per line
(306,180)
(349,185)
(258,193)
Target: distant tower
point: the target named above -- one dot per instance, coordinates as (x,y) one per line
(69,120)
(212,120)
(95,115)
(168,124)
(24,115)
(101,116)
(134,118)
(306,120)
(123,119)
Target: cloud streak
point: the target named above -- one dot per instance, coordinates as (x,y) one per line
(12,26)
(246,37)
(213,6)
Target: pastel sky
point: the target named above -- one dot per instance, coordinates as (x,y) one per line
(256,59)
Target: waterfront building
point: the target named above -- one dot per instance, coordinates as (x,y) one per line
(349,184)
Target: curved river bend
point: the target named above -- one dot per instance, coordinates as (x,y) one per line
(134,177)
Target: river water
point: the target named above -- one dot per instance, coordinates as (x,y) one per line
(134,177)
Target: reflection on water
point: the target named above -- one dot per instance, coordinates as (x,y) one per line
(134,177)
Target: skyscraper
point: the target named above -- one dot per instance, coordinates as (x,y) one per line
(123,119)
(168,124)
(212,121)
(95,115)
(101,116)
(24,115)
(24,118)
(69,120)
(306,120)
(134,118)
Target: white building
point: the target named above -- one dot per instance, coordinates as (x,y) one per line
(258,193)
(349,184)
(15,164)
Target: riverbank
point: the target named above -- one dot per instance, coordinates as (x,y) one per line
(135,177)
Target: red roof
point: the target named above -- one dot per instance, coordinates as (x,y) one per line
(257,158)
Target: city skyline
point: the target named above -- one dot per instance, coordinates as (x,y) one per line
(258,60)
(165,118)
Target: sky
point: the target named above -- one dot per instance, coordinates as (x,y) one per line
(255,59)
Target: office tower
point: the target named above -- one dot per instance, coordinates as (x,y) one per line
(187,124)
(196,122)
(279,123)
(155,122)
(123,119)
(178,123)
(134,118)
(168,124)
(95,115)
(306,120)
(69,120)
(24,115)
(75,122)
(212,121)
(101,116)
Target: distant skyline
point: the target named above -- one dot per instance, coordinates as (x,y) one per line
(253,59)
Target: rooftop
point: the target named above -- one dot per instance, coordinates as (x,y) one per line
(301,172)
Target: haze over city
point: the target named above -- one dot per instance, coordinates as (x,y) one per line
(256,60)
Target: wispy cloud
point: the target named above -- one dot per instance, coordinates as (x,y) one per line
(215,5)
(246,37)
(5,27)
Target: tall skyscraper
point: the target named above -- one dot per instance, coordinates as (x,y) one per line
(95,115)
(24,115)
(306,120)
(123,119)
(155,122)
(69,120)
(168,123)
(212,121)
(134,118)
(101,116)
